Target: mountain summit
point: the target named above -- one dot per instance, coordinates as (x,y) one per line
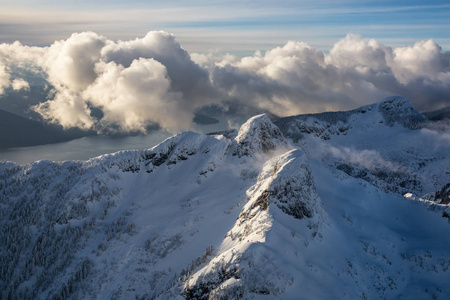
(306,207)
(258,135)
(391,111)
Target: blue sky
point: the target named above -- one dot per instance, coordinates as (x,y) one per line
(238,27)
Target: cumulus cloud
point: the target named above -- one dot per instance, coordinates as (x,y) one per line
(70,64)
(153,80)
(4,79)
(21,56)
(356,72)
(131,96)
(134,84)
(424,59)
(20,84)
(67,109)
(186,76)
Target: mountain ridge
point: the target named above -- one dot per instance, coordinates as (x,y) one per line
(203,216)
(17,131)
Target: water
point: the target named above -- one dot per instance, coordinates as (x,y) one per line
(88,147)
(83,148)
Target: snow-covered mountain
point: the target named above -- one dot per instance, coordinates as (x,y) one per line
(307,207)
(388,143)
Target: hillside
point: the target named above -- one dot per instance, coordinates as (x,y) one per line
(308,207)
(17,131)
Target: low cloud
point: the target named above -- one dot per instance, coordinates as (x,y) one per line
(366,158)
(134,95)
(356,72)
(106,85)
(4,79)
(20,84)
(440,133)
(133,84)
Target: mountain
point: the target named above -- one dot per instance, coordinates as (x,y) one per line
(438,115)
(17,131)
(307,207)
(387,144)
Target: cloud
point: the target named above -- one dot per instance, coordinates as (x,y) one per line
(134,95)
(99,84)
(298,78)
(293,79)
(424,59)
(67,109)
(367,159)
(134,84)
(70,64)
(20,84)
(186,76)
(15,58)
(439,132)
(4,79)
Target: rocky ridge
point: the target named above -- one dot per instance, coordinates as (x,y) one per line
(203,216)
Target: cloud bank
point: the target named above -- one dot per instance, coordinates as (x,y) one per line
(126,86)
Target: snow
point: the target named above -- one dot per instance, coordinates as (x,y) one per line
(311,210)
(258,135)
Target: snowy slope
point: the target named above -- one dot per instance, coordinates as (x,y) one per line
(250,215)
(346,239)
(387,144)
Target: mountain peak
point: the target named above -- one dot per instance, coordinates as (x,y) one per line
(258,134)
(396,101)
(400,110)
(188,220)
(389,111)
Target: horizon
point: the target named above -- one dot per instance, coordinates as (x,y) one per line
(120,67)
(237,27)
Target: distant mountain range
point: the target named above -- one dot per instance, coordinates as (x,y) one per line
(342,205)
(20,131)
(438,115)
(17,131)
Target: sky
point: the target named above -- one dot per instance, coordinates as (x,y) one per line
(124,65)
(238,27)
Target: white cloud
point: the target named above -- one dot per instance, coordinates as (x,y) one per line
(132,96)
(356,72)
(70,63)
(20,84)
(187,77)
(67,109)
(153,80)
(4,79)
(136,83)
(353,52)
(366,158)
(21,56)
(424,58)
(440,133)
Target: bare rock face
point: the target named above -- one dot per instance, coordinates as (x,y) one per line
(442,196)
